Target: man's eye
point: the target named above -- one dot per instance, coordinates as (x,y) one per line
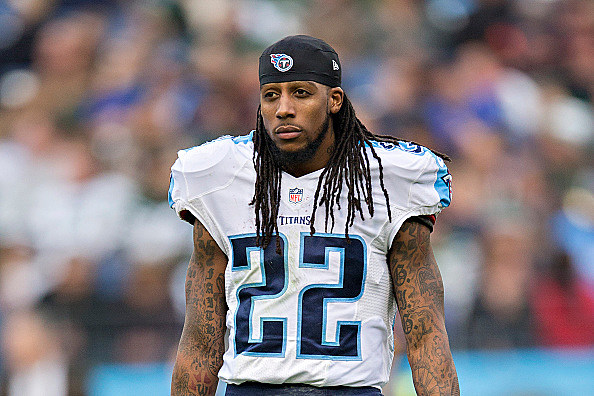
(301,92)
(269,94)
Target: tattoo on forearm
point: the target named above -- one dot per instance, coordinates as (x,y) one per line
(202,341)
(419,295)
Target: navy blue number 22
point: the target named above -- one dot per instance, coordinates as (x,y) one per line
(317,252)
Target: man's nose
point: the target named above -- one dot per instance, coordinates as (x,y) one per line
(285,107)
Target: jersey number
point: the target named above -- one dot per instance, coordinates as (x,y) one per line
(320,252)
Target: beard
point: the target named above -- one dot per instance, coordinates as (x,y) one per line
(288,158)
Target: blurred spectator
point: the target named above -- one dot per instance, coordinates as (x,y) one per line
(573,230)
(501,316)
(20,24)
(37,363)
(63,55)
(576,23)
(563,306)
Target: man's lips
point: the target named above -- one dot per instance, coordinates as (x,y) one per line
(287,131)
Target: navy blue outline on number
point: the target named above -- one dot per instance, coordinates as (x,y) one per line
(324,323)
(263,319)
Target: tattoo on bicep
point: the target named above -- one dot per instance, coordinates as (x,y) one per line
(401,299)
(181,383)
(203,344)
(431,286)
(221,306)
(401,275)
(419,295)
(407,323)
(417,281)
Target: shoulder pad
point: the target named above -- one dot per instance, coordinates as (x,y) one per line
(202,169)
(423,173)
(205,156)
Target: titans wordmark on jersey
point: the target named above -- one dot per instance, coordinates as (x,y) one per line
(321,311)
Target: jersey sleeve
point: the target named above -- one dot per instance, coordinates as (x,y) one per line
(197,172)
(421,181)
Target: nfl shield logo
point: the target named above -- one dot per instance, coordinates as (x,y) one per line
(295,195)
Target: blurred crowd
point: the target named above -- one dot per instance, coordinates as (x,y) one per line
(96,97)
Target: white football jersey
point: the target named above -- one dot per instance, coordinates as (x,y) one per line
(321,312)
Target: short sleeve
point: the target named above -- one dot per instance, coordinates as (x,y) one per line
(422,183)
(196,173)
(178,192)
(432,188)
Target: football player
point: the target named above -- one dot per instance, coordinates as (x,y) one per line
(309,234)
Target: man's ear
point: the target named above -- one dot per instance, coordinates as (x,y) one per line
(335,99)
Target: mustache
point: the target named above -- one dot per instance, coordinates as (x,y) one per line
(287,128)
(286,159)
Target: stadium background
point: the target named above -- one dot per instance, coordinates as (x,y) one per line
(97,96)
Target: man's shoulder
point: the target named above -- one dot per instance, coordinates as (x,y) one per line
(417,170)
(215,152)
(407,155)
(209,167)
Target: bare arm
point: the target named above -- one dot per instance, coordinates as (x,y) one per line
(201,347)
(419,293)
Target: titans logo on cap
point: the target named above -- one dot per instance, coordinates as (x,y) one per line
(281,62)
(310,59)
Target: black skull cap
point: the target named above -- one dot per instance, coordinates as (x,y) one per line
(300,58)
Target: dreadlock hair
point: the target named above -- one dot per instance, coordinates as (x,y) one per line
(349,163)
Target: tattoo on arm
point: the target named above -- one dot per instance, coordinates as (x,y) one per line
(200,353)
(419,295)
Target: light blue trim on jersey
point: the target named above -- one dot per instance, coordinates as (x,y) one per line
(327,251)
(259,340)
(327,300)
(169,197)
(337,342)
(244,138)
(235,139)
(408,147)
(263,297)
(412,148)
(443,182)
(223,137)
(248,260)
